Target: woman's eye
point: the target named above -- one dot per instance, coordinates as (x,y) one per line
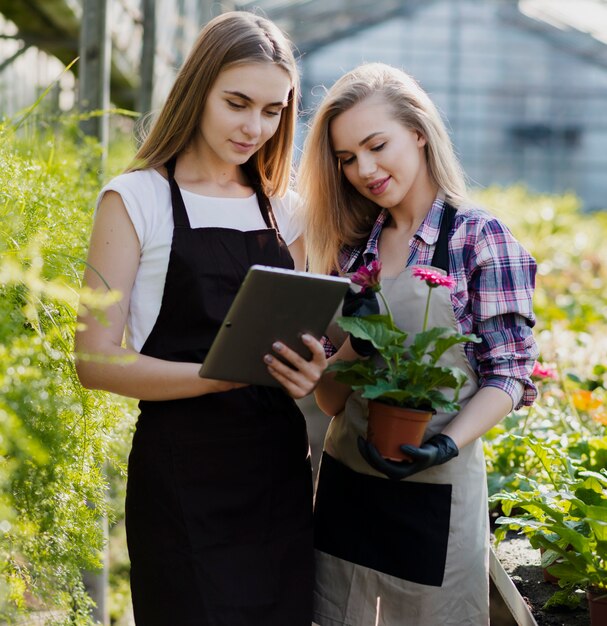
(235,105)
(273,113)
(378,148)
(347,161)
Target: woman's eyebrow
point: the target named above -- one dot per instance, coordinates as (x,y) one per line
(369,137)
(361,143)
(239,94)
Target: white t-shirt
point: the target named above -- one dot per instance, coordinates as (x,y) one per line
(147,198)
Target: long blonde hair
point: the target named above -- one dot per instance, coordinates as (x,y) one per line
(336,214)
(231,39)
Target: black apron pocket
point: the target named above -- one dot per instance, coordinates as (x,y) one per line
(397,528)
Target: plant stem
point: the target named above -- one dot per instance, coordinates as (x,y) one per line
(388,311)
(529,413)
(393,364)
(427,309)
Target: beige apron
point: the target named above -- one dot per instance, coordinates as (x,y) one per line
(407,553)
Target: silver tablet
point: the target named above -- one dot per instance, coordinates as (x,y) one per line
(272,304)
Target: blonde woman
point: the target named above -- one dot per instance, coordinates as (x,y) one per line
(407,543)
(219,502)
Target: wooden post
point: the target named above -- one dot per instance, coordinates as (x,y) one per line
(97,583)
(94,96)
(148,56)
(94,69)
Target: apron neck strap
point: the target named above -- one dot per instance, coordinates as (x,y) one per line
(262,200)
(441,252)
(180,215)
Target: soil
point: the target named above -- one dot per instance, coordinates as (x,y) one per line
(522,564)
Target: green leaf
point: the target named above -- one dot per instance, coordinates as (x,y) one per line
(444,343)
(423,341)
(373,328)
(352,373)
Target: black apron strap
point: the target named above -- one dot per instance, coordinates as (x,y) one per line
(441,252)
(263,201)
(180,215)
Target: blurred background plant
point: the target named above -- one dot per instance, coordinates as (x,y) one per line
(56,438)
(571,306)
(546,462)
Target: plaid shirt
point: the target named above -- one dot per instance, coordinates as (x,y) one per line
(492,298)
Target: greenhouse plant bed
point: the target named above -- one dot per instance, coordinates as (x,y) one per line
(522,563)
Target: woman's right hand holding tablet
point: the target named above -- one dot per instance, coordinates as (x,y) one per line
(302,380)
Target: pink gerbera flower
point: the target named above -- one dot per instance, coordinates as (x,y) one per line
(368,276)
(433,278)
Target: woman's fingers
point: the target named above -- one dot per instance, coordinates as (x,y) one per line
(300,381)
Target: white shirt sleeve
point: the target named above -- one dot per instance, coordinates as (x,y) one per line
(287,210)
(140,194)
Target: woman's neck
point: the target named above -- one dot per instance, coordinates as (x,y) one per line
(198,172)
(412,210)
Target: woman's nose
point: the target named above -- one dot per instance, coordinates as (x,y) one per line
(252,125)
(366,167)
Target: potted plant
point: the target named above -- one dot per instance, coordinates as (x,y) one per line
(565,514)
(404,382)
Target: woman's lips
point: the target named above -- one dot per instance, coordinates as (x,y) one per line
(242,147)
(377,187)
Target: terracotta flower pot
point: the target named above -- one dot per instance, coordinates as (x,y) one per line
(391,426)
(597,606)
(548,577)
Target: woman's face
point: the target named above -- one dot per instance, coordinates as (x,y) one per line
(383,160)
(243,111)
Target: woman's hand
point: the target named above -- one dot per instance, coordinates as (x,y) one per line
(302,380)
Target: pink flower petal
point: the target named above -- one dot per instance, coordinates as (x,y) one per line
(433,278)
(367,276)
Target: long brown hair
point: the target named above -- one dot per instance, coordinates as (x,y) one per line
(230,39)
(336,214)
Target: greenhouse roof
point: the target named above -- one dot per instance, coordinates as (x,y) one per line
(579,26)
(587,16)
(314,23)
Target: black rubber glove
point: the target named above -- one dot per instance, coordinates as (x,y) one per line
(437,450)
(358,305)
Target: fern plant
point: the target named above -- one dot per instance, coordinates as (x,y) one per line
(55,437)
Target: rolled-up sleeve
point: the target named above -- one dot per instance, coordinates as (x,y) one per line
(501,288)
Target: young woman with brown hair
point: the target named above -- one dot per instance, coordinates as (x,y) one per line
(218,506)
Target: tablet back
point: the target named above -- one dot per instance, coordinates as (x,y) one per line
(272,304)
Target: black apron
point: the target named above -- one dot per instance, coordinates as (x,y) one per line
(219,491)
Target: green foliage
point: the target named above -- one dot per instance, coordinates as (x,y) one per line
(566,516)
(546,462)
(55,437)
(570,305)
